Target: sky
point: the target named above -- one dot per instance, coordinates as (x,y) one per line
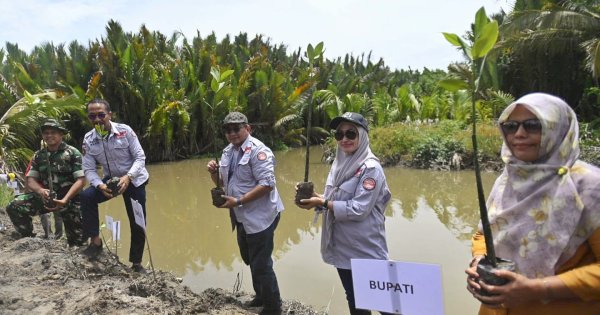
(405,33)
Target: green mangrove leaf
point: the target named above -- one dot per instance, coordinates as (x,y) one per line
(214,85)
(226,74)
(458,42)
(486,40)
(453,39)
(481,20)
(100,130)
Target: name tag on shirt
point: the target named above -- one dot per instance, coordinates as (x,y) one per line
(246,156)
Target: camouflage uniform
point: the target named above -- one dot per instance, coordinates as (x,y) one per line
(65,166)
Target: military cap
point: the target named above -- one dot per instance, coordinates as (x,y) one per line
(235,118)
(351,117)
(53,123)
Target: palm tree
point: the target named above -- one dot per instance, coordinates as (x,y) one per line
(548,45)
(18,140)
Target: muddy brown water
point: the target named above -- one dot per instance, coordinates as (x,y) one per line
(429,220)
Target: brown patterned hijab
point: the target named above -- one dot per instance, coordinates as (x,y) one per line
(542,211)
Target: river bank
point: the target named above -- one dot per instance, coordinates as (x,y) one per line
(41,276)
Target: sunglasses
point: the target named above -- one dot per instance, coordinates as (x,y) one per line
(99,115)
(350,134)
(232,129)
(530,125)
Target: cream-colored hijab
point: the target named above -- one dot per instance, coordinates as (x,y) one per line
(541,212)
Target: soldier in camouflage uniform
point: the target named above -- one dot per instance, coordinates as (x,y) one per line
(68,179)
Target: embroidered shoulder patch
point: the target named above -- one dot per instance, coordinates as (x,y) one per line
(261,156)
(369,183)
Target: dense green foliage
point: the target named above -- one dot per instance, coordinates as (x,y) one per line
(553,46)
(434,145)
(164,87)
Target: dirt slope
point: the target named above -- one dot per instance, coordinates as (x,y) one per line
(39,276)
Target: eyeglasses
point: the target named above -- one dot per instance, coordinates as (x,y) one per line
(93,116)
(533,125)
(232,129)
(350,134)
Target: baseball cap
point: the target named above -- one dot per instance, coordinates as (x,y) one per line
(235,118)
(354,118)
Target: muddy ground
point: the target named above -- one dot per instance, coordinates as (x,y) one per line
(41,276)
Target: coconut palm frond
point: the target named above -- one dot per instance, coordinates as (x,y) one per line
(285,120)
(18,139)
(592,60)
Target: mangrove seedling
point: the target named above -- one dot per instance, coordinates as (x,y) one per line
(113,182)
(305,189)
(218,82)
(485,33)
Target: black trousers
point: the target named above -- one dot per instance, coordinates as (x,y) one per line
(91,197)
(256,250)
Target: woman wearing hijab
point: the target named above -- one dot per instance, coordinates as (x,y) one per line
(354,202)
(544,214)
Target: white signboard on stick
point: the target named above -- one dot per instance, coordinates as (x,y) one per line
(109,222)
(398,287)
(116,230)
(138,213)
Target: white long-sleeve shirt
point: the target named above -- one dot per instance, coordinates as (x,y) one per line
(120,154)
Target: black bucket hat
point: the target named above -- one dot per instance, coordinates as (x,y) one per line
(354,118)
(53,123)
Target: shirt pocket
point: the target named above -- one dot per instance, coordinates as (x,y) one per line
(95,150)
(245,174)
(348,188)
(121,148)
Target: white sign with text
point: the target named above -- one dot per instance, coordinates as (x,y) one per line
(398,287)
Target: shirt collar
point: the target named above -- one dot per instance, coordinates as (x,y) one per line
(246,143)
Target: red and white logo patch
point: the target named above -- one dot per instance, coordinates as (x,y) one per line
(261,156)
(369,183)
